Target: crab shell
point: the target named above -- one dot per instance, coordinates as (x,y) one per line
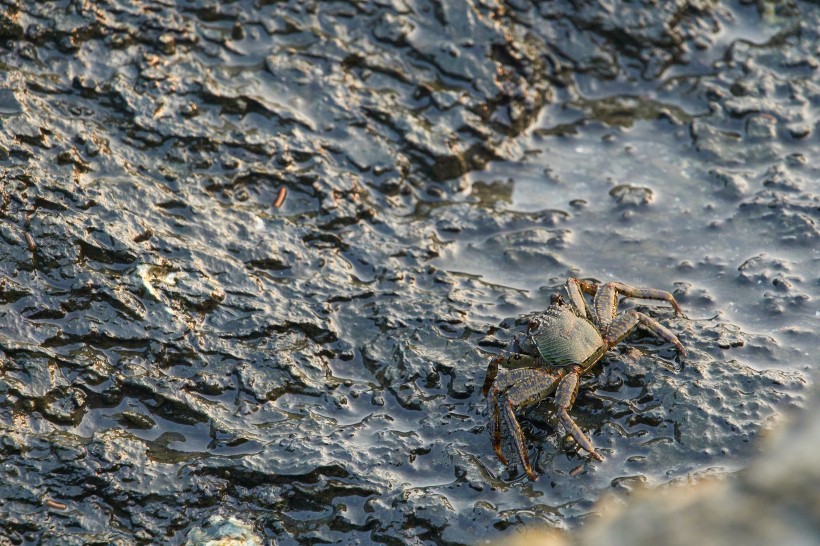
(562,338)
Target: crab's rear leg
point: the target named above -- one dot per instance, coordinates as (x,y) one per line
(495,433)
(516,389)
(625,322)
(564,398)
(606,300)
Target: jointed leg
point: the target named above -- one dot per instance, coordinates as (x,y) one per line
(524,346)
(605,304)
(587,287)
(496,430)
(518,438)
(507,361)
(576,288)
(648,294)
(564,398)
(516,389)
(606,300)
(625,322)
(609,293)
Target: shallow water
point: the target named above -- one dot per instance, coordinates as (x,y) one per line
(177,348)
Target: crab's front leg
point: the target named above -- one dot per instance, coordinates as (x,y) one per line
(508,361)
(564,398)
(516,389)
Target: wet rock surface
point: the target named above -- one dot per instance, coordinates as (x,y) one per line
(178,351)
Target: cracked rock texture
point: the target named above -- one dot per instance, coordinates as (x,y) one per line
(178,355)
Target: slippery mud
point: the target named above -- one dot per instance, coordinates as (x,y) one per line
(183,340)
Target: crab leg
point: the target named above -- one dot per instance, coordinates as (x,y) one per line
(576,289)
(495,433)
(519,360)
(518,438)
(564,398)
(647,294)
(606,300)
(625,322)
(587,287)
(516,389)
(508,361)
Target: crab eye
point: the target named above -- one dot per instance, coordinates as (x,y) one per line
(533,324)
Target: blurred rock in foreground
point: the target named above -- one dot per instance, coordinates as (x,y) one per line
(775,501)
(220,531)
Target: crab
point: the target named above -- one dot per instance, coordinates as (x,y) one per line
(561,345)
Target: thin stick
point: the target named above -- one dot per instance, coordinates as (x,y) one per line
(283,191)
(56,505)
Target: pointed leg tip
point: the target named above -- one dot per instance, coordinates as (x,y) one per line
(597,456)
(676,306)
